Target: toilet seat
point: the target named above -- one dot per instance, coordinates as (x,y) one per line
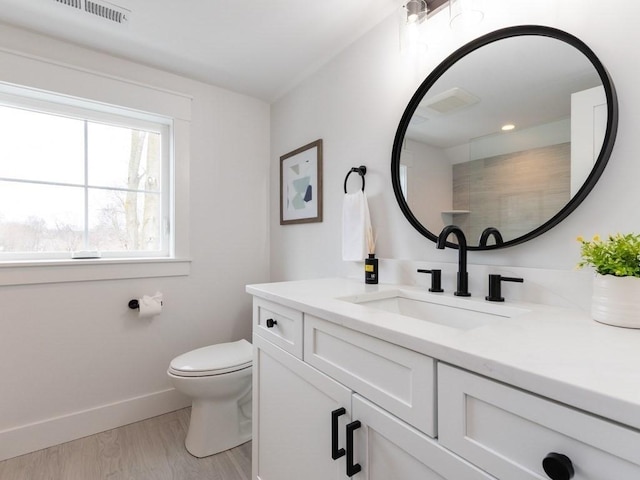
(213,360)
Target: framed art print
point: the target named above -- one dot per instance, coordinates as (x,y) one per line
(301,185)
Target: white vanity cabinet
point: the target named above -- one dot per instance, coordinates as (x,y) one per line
(423,402)
(311,425)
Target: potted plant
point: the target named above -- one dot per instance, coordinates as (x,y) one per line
(616,286)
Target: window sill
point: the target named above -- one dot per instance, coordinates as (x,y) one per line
(60,271)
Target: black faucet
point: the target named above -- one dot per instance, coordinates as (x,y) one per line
(487,232)
(463,277)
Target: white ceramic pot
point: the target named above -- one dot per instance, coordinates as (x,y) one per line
(616,300)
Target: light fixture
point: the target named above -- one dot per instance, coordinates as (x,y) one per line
(416,11)
(412,28)
(508,127)
(465,13)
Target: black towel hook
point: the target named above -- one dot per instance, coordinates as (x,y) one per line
(361,170)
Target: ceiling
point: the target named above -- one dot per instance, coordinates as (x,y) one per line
(261,48)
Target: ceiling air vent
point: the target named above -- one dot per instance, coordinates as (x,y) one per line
(107,11)
(453,99)
(100,8)
(71,3)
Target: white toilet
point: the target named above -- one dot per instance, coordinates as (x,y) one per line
(218,378)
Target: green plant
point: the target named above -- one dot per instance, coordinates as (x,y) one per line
(619,255)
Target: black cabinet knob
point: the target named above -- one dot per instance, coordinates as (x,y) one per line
(558,466)
(271,322)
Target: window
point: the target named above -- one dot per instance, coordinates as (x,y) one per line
(78,177)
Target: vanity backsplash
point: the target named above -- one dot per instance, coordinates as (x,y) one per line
(560,288)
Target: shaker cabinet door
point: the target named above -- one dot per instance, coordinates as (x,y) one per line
(293,421)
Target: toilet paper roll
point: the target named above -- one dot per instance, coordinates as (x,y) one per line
(150,306)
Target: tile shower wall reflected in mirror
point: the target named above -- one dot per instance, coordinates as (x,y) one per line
(513,181)
(515,192)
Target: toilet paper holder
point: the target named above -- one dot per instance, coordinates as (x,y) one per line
(134,304)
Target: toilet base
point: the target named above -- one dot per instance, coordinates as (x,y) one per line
(209,418)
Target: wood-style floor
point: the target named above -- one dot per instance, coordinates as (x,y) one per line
(149,450)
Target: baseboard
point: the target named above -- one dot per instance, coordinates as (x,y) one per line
(53,431)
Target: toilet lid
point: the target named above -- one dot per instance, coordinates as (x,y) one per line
(213,360)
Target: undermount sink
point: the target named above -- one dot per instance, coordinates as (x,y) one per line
(460,313)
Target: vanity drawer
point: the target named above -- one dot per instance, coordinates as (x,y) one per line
(399,380)
(281,325)
(508,432)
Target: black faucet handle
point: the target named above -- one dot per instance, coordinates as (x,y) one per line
(495,287)
(436,279)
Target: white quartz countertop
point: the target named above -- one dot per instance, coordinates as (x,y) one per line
(559,353)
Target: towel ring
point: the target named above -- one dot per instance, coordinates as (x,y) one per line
(361,170)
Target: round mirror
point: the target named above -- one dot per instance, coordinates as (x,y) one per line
(505,137)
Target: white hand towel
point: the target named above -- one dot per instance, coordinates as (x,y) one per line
(355,224)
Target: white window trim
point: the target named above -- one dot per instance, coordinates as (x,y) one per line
(44,75)
(62,271)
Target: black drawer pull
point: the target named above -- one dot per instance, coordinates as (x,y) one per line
(336,452)
(352,468)
(271,322)
(558,466)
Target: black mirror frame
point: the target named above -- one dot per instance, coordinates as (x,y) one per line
(596,171)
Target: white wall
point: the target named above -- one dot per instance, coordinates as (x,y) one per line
(355,103)
(73,358)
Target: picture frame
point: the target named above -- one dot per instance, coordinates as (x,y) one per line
(301,185)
